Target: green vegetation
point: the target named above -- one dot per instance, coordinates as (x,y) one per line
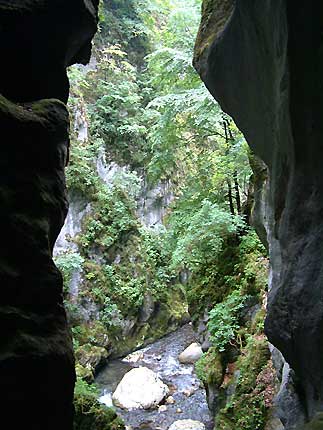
(141,110)
(67,263)
(223,323)
(89,413)
(249,405)
(238,340)
(209,368)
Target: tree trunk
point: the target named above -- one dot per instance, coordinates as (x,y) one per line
(230,197)
(237,192)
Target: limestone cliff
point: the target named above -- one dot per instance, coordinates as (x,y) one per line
(39,39)
(262,60)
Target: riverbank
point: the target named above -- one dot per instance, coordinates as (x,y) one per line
(185,388)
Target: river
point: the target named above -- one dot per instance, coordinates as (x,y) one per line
(161,357)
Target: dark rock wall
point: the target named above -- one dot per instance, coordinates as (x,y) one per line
(38,39)
(263,60)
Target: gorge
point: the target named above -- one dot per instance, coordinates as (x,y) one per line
(163,191)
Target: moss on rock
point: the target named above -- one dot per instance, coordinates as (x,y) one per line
(90,414)
(84,373)
(91,357)
(248,407)
(215,15)
(209,368)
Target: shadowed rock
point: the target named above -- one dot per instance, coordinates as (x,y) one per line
(263,61)
(39,38)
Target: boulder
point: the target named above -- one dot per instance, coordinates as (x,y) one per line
(191,354)
(140,388)
(187,425)
(274,424)
(91,357)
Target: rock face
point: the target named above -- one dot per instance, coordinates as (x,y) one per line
(191,354)
(39,38)
(187,425)
(49,36)
(140,389)
(263,62)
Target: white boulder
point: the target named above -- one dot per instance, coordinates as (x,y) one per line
(191,354)
(140,388)
(187,425)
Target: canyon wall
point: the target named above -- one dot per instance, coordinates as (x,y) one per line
(263,61)
(39,39)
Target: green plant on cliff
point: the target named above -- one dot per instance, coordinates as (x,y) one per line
(238,340)
(113,218)
(68,263)
(224,320)
(209,368)
(89,413)
(249,405)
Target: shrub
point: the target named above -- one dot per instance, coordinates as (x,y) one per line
(224,320)
(89,413)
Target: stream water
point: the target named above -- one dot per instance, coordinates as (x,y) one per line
(161,357)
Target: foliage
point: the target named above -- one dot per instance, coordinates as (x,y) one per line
(185,121)
(122,23)
(89,413)
(253,257)
(116,114)
(142,267)
(110,314)
(209,368)
(113,217)
(224,320)
(248,407)
(80,174)
(83,389)
(200,234)
(68,263)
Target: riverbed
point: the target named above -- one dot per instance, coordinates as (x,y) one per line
(186,389)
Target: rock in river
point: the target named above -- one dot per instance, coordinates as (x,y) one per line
(140,389)
(191,354)
(187,425)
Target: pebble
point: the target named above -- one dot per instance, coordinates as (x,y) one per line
(179,411)
(188,392)
(170,400)
(162,408)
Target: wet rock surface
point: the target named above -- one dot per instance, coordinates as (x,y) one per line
(191,354)
(187,425)
(187,399)
(140,388)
